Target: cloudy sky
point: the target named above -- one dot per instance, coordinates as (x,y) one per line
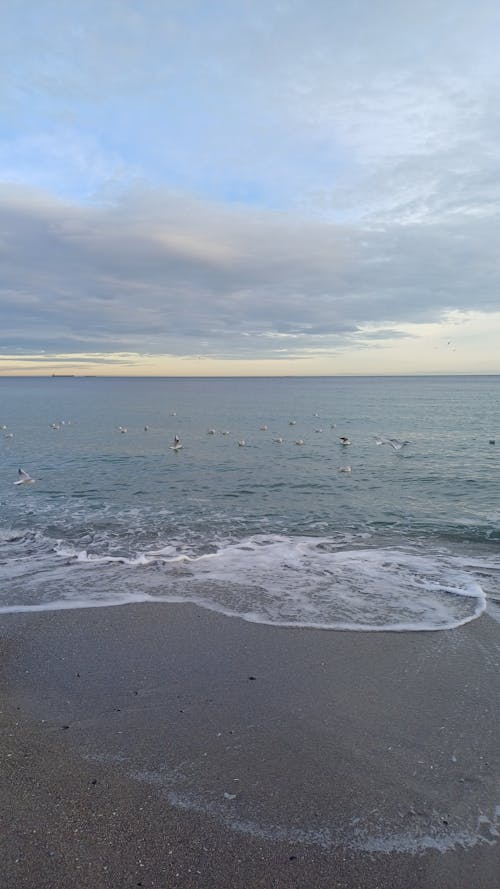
(249,186)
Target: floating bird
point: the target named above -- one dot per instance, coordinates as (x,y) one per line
(146,428)
(292,423)
(122,429)
(278,440)
(24,478)
(263,428)
(177,444)
(242,443)
(344,440)
(210,431)
(393,442)
(300,441)
(345,469)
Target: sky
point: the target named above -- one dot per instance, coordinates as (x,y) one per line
(252,187)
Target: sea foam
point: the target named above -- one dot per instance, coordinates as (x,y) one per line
(280,580)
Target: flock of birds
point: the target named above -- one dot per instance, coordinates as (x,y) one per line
(24,478)
(395,443)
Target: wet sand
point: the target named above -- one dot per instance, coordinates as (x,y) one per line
(163,745)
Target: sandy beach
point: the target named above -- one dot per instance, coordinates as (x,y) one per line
(164,745)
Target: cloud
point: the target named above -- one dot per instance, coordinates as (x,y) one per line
(163,273)
(251,181)
(286,105)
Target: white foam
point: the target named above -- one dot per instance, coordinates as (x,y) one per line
(272,579)
(84,556)
(75,603)
(358,835)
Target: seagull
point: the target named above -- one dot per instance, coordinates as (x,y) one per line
(278,440)
(177,444)
(344,440)
(24,478)
(393,442)
(263,428)
(345,469)
(300,441)
(242,443)
(211,432)
(396,443)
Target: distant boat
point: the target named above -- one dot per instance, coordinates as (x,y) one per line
(64,375)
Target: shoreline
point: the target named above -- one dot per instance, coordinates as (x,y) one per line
(155,740)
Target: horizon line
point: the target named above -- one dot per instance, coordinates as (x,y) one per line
(75,376)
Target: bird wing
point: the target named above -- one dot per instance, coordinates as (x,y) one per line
(396,443)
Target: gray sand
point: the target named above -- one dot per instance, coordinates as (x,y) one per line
(165,745)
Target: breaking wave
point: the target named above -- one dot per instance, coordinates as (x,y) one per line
(327,583)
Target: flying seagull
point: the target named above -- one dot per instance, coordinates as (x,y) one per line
(393,442)
(24,478)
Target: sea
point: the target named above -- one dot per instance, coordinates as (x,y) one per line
(260,511)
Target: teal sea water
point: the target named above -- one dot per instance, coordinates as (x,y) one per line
(270,530)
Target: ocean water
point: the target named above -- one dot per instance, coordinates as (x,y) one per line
(270,531)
